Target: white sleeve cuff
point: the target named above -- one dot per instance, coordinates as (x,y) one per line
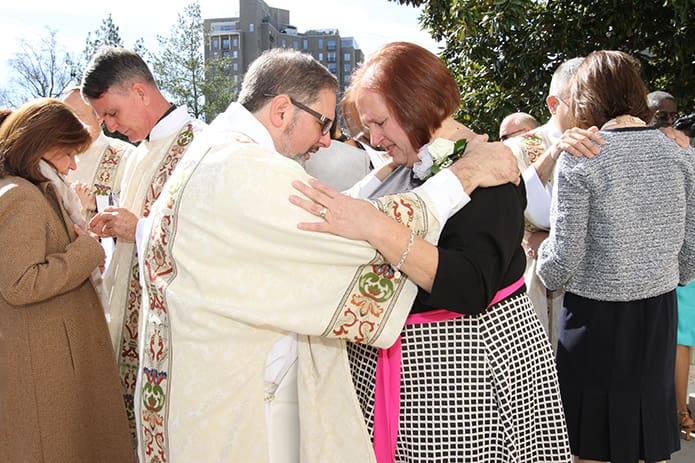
(446,193)
(538,197)
(365,187)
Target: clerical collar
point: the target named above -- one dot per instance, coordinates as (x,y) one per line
(171,109)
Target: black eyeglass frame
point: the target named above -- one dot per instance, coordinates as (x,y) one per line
(562,100)
(326,122)
(511,134)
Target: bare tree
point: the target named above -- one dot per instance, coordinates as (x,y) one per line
(6,99)
(44,69)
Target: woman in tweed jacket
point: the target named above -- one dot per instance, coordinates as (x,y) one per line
(60,398)
(622,238)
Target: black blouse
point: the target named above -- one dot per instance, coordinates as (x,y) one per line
(480,252)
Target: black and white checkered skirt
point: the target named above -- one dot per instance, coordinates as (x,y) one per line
(480,388)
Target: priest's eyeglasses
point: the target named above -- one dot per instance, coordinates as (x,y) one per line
(325,121)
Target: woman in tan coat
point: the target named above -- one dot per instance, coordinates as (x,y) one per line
(59,394)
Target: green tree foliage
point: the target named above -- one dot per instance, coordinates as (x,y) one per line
(220,91)
(503,52)
(139,48)
(182,72)
(43,69)
(107,34)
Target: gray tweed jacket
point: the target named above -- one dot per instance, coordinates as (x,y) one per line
(622,223)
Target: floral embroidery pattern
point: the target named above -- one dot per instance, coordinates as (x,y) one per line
(105,173)
(160,271)
(128,357)
(534,146)
(370,299)
(169,162)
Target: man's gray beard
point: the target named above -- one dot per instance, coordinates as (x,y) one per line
(285,141)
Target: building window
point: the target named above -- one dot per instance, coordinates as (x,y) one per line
(306,44)
(295,45)
(225,54)
(321,57)
(347,57)
(331,56)
(224,27)
(235,66)
(347,68)
(332,67)
(235,54)
(331,45)
(225,43)
(236,78)
(346,79)
(215,43)
(284,43)
(235,42)
(215,54)
(251,28)
(320,43)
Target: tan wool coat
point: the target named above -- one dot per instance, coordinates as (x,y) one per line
(60,398)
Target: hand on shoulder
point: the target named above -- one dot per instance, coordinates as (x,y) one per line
(486,164)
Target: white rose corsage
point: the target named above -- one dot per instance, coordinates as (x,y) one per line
(437,155)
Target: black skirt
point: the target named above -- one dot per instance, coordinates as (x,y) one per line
(616,364)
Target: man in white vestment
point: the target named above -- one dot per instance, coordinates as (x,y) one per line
(122,90)
(244,315)
(100,168)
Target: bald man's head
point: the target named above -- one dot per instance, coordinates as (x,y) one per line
(84,111)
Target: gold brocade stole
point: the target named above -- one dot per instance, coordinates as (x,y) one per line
(370,298)
(128,358)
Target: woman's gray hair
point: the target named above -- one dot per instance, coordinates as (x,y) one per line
(288,71)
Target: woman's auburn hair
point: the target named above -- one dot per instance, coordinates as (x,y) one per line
(35,128)
(418,88)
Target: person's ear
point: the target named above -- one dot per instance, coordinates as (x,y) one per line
(279,110)
(141,92)
(552,102)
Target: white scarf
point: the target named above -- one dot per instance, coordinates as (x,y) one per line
(73,206)
(71,202)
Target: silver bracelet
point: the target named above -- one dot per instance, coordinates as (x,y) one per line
(404,256)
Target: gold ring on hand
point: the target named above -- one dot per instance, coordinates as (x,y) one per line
(323,213)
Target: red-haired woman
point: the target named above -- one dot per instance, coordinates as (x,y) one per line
(473,376)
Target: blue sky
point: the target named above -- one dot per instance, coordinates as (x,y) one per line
(371,22)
